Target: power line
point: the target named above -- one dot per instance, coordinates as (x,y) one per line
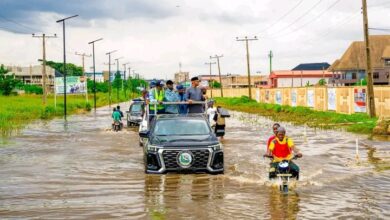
(380,29)
(299,18)
(312,20)
(283,16)
(22,25)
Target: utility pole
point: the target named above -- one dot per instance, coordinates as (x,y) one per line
(63,36)
(94,70)
(270,55)
(370,87)
(117,72)
(83,55)
(211,90)
(219,71)
(109,76)
(124,77)
(246,39)
(44,75)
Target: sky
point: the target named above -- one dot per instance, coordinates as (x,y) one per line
(154,36)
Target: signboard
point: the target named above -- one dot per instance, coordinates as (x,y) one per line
(267,95)
(332,99)
(278,97)
(359,100)
(294,97)
(310,98)
(258,95)
(74,85)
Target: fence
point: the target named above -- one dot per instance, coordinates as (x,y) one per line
(347,100)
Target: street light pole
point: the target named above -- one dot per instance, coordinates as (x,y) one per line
(109,76)
(117,72)
(63,33)
(124,77)
(94,71)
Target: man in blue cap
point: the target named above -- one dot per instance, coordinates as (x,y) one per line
(183,109)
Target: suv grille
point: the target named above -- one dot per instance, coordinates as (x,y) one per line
(201,158)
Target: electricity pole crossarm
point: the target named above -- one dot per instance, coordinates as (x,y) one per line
(246,39)
(219,71)
(210,85)
(83,55)
(44,75)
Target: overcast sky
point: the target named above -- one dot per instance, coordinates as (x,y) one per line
(155,35)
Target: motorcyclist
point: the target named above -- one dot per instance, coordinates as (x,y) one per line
(116,116)
(283,148)
(118,109)
(270,139)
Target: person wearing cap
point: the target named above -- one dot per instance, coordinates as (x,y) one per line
(283,148)
(183,109)
(195,94)
(171,96)
(157,94)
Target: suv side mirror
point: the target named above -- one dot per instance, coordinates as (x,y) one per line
(220,133)
(144,134)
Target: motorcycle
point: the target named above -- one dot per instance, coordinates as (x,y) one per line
(117,126)
(282,173)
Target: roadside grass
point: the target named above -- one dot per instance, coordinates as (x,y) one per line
(357,123)
(18,111)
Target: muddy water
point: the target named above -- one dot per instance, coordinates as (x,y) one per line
(83,170)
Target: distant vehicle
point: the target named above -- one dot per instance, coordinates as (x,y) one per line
(135,113)
(117,126)
(181,143)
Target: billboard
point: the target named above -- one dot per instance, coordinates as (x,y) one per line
(294,97)
(359,100)
(310,98)
(278,97)
(332,99)
(74,85)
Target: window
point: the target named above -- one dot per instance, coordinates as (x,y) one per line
(181,127)
(387,62)
(353,75)
(376,75)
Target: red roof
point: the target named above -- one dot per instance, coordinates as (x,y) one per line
(297,74)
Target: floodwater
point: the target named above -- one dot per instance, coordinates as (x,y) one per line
(83,170)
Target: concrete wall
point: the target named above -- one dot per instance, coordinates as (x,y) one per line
(342,98)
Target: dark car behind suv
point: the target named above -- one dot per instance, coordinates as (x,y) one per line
(182,143)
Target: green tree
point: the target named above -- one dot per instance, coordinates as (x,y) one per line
(215,84)
(100,86)
(322,82)
(117,83)
(71,69)
(7,82)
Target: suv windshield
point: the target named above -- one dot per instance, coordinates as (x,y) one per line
(181,127)
(136,108)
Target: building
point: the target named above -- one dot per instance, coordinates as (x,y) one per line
(295,78)
(33,74)
(351,67)
(182,77)
(241,81)
(98,76)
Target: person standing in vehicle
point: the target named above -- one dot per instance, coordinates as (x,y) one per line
(220,121)
(157,94)
(195,94)
(183,108)
(283,148)
(171,96)
(211,112)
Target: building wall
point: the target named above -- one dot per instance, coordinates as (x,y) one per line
(33,74)
(286,82)
(343,97)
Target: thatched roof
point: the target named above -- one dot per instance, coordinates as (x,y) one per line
(355,56)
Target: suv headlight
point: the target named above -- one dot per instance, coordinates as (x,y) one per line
(217,147)
(152,148)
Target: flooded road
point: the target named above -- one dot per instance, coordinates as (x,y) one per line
(84,170)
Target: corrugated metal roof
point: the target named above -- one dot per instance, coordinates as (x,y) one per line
(312,66)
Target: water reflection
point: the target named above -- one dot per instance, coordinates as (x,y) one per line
(283,206)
